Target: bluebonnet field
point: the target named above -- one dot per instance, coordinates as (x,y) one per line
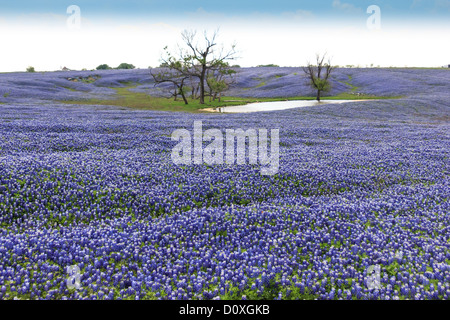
(360,184)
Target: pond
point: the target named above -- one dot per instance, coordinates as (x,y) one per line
(277,105)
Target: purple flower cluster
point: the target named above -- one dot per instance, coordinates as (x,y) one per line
(360,184)
(261,82)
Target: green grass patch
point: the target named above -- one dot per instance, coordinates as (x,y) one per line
(69,88)
(144,101)
(354,88)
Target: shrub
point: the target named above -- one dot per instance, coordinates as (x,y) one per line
(125,66)
(31,69)
(268,65)
(103,67)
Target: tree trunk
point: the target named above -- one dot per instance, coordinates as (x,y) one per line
(318,95)
(181,88)
(202,85)
(184,97)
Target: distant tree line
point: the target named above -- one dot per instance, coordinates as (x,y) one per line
(271,65)
(121,66)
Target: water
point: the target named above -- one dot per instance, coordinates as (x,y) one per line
(278,105)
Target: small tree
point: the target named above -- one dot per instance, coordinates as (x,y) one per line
(125,66)
(103,67)
(197,60)
(319,74)
(219,79)
(216,87)
(30,69)
(176,78)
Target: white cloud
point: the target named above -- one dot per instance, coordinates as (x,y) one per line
(40,20)
(202,15)
(286,40)
(346,7)
(299,15)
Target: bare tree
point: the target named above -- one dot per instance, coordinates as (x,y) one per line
(318,74)
(174,77)
(196,59)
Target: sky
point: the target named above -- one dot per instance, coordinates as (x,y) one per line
(49,35)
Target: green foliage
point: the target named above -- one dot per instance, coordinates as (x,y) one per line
(125,65)
(392,269)
(220,78)
(103,67)
(216,85)
(223,233)
(186,90)
(30,69)
(321,84)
